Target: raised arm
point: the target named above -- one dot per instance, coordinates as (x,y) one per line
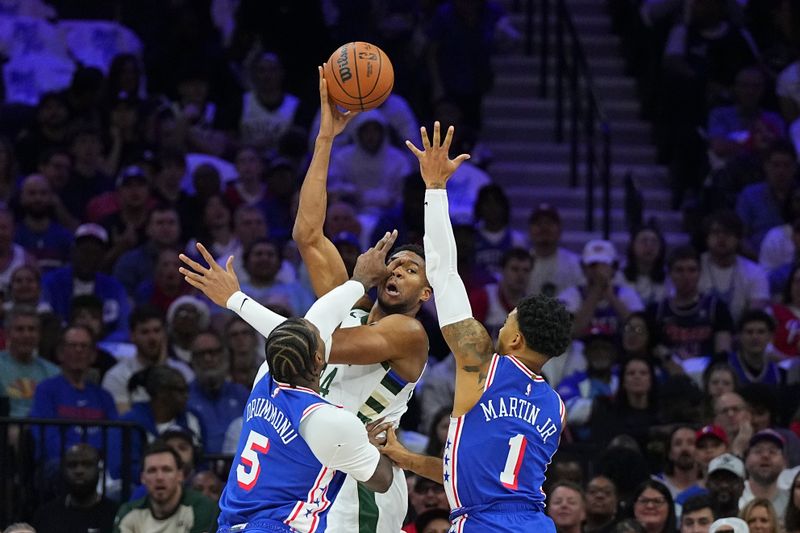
(325,265)
(467,338)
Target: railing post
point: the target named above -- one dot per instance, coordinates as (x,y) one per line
(575,109)
(560,65)
(529,9)
(590,161)
(606,177)
(127,435)
(544,49)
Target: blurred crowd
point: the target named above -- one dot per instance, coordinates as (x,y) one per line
(130,131)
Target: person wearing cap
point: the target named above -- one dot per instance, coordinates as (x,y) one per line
(729,525)
(90,171)
(187,316)
(737,281)
(725,484)
(84,277)
(600,303)
(764,406)
(764,461)
(710,442)
(494,234)
(691,324)
(38,232)
(554,268)
(126,222)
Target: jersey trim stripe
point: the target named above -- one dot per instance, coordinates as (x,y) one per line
(310,501)
(311,408)
(454,476)
(525,369)
(286,386)
(491,372)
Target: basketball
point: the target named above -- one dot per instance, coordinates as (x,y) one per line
(359,75)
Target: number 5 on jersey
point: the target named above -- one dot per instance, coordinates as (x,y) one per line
(516,452)
(256,443)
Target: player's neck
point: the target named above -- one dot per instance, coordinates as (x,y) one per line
(532,360)
(377,312)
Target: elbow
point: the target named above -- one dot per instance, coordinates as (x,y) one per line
(302,233)
(385,482)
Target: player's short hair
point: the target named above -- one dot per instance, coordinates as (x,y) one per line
(545,324)
(413,248)
(290,351)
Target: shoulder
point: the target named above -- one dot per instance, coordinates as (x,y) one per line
(195,499)
(51,369)
(319,425)
(125,508)
(750,268)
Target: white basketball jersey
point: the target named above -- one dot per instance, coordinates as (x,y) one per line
(371,392)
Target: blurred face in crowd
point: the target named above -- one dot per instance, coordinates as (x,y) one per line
(281,181)
(263,262)
(209,361)
(173,394)
(161,477)
(698,521)
(250,225)
(566,508)
(25,286)
(749,88)
(6,229)
(186,321)
(635,335)
(81,471)
(754,338)
(427,495)
(241,338)
(721,241)
(685,276)
(185,451)
(601,497)
(163,227)
(764,462)
(171,175)
(516,273)
(23,333)
(730,412)
(780,169)
(707,449)
(760,417)
(636,379)
(492,210)
(52,113)
(651,509)
(437,525)
(646,246)
(719,382)
(268,75)
(249,165)
(795,288)
(89,318)
(724,487)
(56,170)
(166,273)
(545,232)
(133,194)
(682,448)
(341,217)
(600,354)
(206,180)
(87,149)
(193,91)
(370,136)
(209,485)
(216,213)
(759,520)
(77,351)
(598,273)
(149,338)
(87,254)
(36,196)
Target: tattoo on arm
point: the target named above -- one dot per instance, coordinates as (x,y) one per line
(471,346)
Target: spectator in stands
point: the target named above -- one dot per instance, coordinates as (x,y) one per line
(149,337)
(426,495)
(492,303)
(761,206)
(216,230)
(12,255)
(566,506)
(760,516)
(268,111)
(126,226)
(494,235)
(692,324)
(242,344)
(681,471)
(751,361)
(209,485)
(187,316)
(248,187)
(170,169)
(83,277)
(634,408)
(735,280)
(70,395)
(8,169)
(87,311)
(55,164)
(249,225)
(21,370)
(600,303)
(437,431)
(764,461)
(406,217)
(601,504)
(554,268)
(168,506)
(48,131)
(137,265)
(653,507)
(779,249)
(183,442)
(166,409)
(765,410)
(371,169)
(207,125)
(718,378)
(26,291)
(725,484)
(433,521)
(731,413)
(282,184)
(216,400)
(600,380)
(82,508)
(262,262)
(166,285)
(711,441)
(124,75)
(38,232)
(644,269)
(697,514)
(791,519)
(638,336)
(89,177)
(787,316)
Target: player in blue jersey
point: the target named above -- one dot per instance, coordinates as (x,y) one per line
(506,420)
(296,448)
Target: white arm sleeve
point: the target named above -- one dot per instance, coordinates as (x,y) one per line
(452,303)
(339,440)
(259,317)
(329,311)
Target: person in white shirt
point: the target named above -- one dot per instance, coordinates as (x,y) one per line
(554,268)
(735,280)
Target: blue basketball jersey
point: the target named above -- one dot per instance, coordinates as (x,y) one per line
(275,479)
(496,454)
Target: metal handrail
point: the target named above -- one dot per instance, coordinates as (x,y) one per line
(587,124)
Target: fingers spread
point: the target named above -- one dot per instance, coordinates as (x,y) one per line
(414,150)
(436,134)
(426,143)
(208,257)
(194,265)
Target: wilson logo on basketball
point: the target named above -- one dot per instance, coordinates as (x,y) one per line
(344,68)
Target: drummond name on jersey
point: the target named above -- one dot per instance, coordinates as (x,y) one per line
(511,406)
(263,408)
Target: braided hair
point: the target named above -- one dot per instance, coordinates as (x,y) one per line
(290,351)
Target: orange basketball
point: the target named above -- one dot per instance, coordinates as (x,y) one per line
(359,75)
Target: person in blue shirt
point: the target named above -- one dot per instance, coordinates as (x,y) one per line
(215,399)
(751,362)
(83,277)
(70,395)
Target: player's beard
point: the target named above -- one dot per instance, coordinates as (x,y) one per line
(399,308)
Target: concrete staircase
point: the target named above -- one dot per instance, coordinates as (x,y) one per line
(533,168)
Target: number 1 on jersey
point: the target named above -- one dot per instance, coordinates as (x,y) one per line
(256,443)
(508,477)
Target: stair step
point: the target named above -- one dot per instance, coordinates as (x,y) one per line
(559,153)
(576,239)
(607,88)
(500,105)
(585,23)
(601,66)
(650,178)
(538,129)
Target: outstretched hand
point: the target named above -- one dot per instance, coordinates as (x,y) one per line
(435,164)
(371,268)
(217,283)
(332,121)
